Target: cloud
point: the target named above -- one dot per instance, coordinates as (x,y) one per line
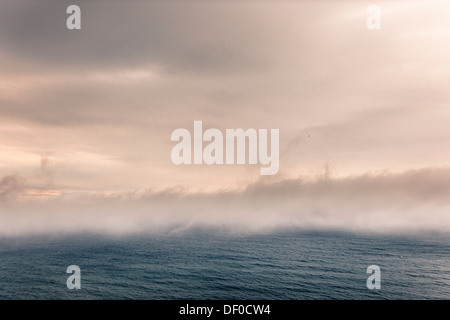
(10,186)
(45,171)
(102,102)
(414,201)
(173,35)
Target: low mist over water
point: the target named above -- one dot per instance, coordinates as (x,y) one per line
(199,265)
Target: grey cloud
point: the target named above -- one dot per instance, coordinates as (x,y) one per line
(45,171)
(11,186)
(174,35)
(383,189)
(366,99)
(413,201)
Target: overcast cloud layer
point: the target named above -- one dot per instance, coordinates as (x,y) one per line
(416,201)
(86,116)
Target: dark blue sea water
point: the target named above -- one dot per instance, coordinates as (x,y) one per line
(202,265)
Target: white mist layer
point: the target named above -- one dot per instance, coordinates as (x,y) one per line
(415,201)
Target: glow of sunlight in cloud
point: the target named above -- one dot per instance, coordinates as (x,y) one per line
(411,202)
(86,117)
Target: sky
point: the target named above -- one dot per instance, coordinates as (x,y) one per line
(86,115)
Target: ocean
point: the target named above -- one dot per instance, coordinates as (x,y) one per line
(214,265)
